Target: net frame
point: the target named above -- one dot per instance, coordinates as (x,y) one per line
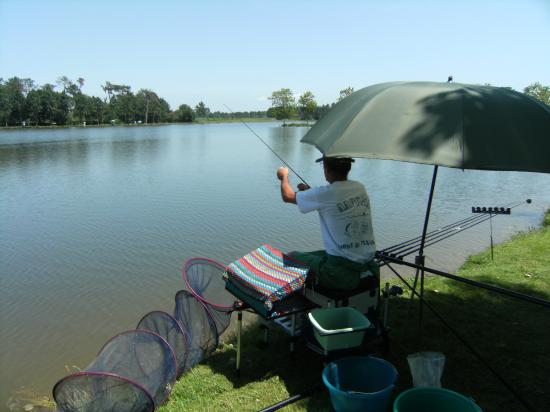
(190,263)
(181,358)
(135,392)
(206,344)
(171,351)
(59,384)
(150,398)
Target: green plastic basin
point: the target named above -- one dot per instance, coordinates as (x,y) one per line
(433,400)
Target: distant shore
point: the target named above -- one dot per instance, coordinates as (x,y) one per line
(198,121)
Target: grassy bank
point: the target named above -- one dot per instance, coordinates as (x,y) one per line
(512,336)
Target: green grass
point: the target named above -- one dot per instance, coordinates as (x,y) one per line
(268,375)
(511,335)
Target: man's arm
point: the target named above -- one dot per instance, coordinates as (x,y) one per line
(288,195)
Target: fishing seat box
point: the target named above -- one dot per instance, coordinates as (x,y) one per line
(265,278)
(255,304)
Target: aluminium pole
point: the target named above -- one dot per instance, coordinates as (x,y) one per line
(420,258)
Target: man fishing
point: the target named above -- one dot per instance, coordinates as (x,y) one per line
(346,225)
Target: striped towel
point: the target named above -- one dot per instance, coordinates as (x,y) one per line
(267,274)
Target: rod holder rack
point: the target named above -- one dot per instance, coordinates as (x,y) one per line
(492,210)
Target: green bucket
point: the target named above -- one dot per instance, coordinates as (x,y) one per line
(433,400)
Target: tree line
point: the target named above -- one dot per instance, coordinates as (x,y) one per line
(23,103)
(284,104)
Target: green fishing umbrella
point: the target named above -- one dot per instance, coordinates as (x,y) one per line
(446,124)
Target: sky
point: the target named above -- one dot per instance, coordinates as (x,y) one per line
(236,53)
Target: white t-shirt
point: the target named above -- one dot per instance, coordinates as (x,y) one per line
(346,223)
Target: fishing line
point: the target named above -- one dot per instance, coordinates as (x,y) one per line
(285,162)
(269,147)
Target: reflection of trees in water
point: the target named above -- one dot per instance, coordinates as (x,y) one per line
(134,150)
(281,140)
(72,153)
(76,153)
(285,141)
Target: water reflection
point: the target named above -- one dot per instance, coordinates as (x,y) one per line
(74,154)
(134,151)
(283,141)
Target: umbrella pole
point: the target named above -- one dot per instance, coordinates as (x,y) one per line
(420,258)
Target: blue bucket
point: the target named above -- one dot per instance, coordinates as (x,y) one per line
(360,383)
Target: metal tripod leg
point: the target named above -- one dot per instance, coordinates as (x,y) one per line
(239,330)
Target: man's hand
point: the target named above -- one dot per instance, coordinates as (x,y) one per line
(282,172)
(302,187)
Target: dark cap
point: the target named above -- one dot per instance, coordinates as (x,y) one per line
(336,159)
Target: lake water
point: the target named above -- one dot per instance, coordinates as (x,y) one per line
(95,224)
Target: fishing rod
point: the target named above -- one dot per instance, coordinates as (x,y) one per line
(432,242)
(269,147)
(306,394)
(453,227)
(411,246)
(447,228)
(409,251)
(436,239)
